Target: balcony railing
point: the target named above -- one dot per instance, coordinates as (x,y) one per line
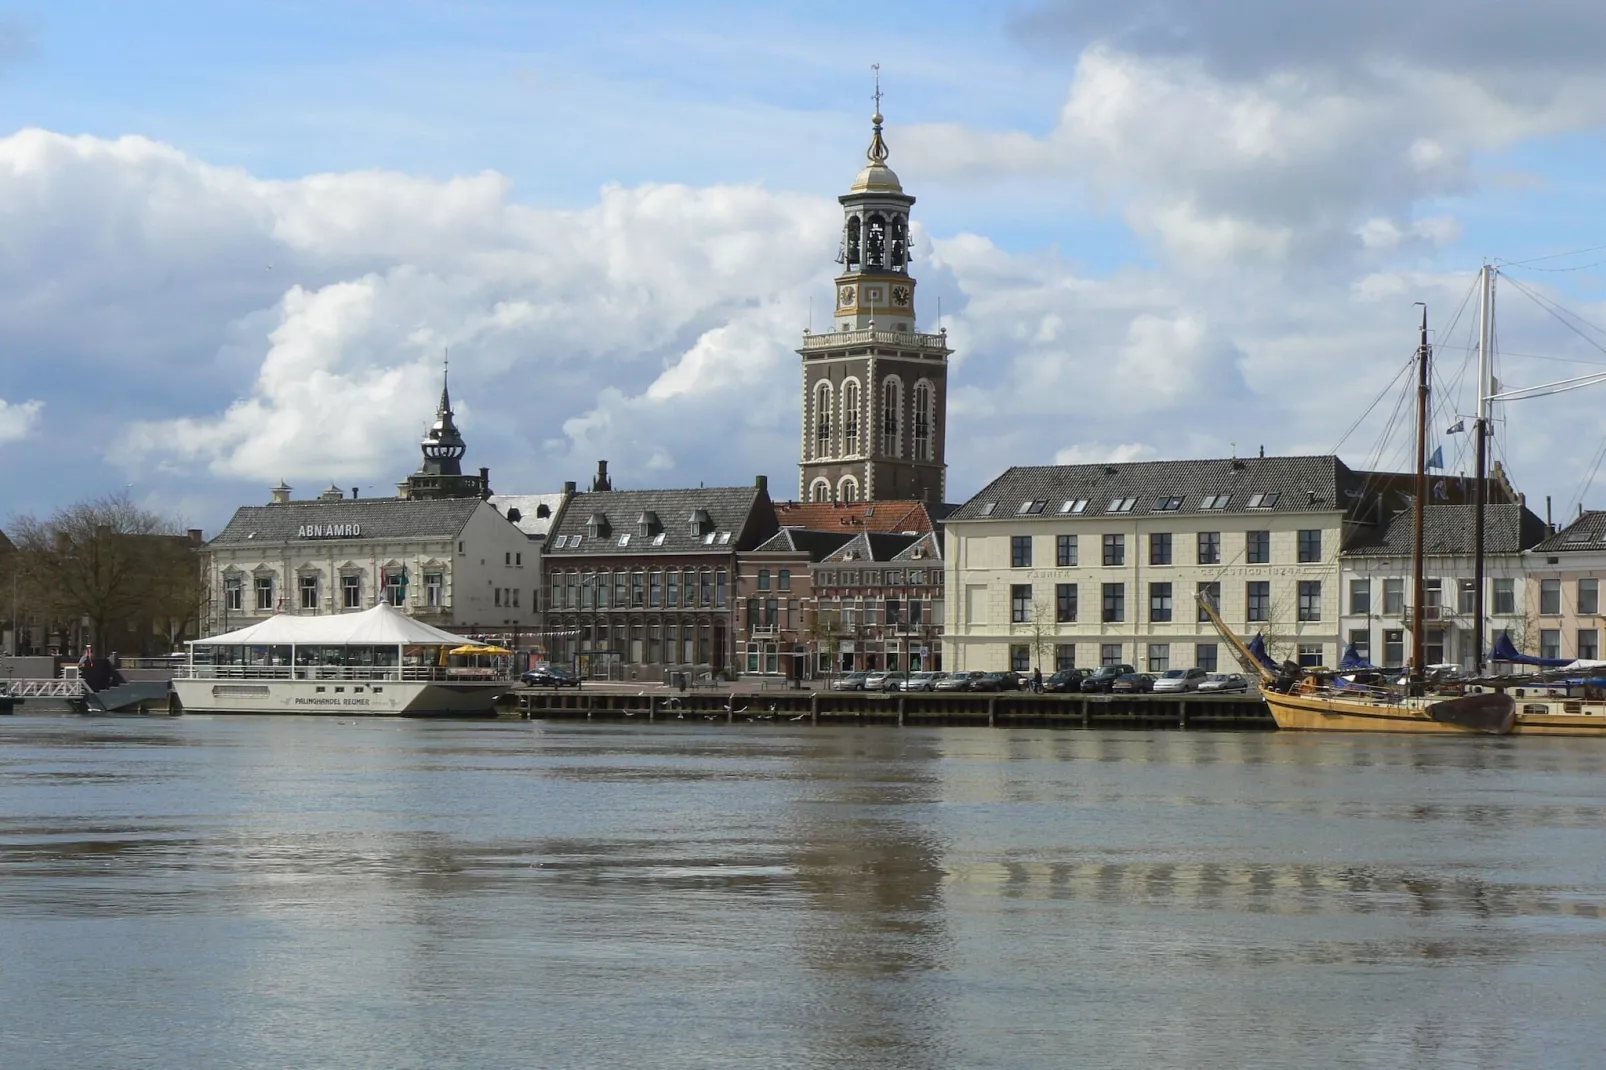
(871,336)
(338,673)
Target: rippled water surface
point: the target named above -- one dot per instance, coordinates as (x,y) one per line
(195,893)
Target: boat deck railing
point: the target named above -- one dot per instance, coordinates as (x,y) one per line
(380,673)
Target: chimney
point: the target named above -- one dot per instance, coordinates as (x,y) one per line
(280,494)
(1263,452)
(763,484)
(353,493)
(568,488)
(196,536)
(485,482)
(1548,524)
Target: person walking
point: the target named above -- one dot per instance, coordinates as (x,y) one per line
(1037,681)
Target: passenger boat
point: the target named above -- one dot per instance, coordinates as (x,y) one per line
(1556,702)
(376,662)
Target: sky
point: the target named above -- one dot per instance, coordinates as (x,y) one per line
(237,237)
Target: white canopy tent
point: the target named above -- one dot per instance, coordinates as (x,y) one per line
(383,625)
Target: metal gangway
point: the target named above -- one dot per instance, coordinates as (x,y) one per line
(59,687)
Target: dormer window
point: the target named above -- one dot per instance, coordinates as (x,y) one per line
(1168,505)
(542,511)
(647,524)
(1266,500)
(1074,506)
(1121,505)
(700,523)
(598,527)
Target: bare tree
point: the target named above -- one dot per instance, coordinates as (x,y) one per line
(1042,631)
(108,564)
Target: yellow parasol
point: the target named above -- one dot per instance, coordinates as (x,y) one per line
(475,648)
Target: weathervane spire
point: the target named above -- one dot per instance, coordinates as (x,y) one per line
(877,153)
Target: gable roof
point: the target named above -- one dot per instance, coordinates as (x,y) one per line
(1301,485)
(813,544)
(856,516)
(872,546)
(377,518)
(530,520)
(743,515)
(1448,531)
(927,548)
(1587,532)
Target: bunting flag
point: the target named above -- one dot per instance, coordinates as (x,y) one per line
(1456,428)
(1436,459)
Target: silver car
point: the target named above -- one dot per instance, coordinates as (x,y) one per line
(923,681)
(1218,683)
(1175,680)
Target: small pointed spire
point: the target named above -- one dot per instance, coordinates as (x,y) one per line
(877,152)
(446,385)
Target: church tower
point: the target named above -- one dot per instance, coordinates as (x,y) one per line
(875,389)
(441,474)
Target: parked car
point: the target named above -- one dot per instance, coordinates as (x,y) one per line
(1101,679)
(922,681)
(995,681)
(1180,680)
(892,681)
(1066,680)
(552,676)
(956,681)
(1132,683)
(853,681)
(1221,683)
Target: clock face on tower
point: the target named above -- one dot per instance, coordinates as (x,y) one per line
(900,295)
(844,296)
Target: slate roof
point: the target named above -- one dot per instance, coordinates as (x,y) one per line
(928,546)
(1448,531)
(872,546)
(530,520)
(1588,532)
(856,516)
(814,544)
(1302,485)
(744,514)
(379,518)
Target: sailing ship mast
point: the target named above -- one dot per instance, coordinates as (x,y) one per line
(1480,428)
(1417,583)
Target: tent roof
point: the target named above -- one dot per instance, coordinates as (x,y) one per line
(383,625)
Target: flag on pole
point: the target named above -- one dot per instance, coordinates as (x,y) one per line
(1456,428)
(1436,459)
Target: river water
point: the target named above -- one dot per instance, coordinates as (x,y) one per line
(193,893)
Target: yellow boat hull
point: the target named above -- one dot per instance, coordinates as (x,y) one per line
(1331,713)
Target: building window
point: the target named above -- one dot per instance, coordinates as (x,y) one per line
(1204,656)
(922,417)
(571,590)
(264,590)
(892,610)
(233,593)
(705,591)
(309,592)
(1394,646)
(1589,643)
(638,589)
(763,579)
(350,591)
(1210,548)
(1020,658)
(1310,545)
(1115,549)
(1393,597)
(1360,597)
(1505,596)
(1310,600)
(1160,548)
(1433,646)
(496,597)
(1432,593)
(1466,595)
(1361,640)
(1065,603)
(655,588)
(1114,602)
(1020,603)
(784,580)
(396,587)
(1550,642)
(1588,598)
(1258,596)
(1020,551)
(621,589)
(588,590)
(1257,547)
(1064,656)
(1159,657)
(1110,654)
(822,420)
(1310,654)
(850,418)
(1212,593)
(719,589)
(432,589)
(1160,602)
(891,403)
(1549,600)
(1065,551)
(672,581)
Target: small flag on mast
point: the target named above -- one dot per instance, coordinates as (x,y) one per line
(1456,428)
(1436,460)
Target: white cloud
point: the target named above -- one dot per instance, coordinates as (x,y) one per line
(17,421)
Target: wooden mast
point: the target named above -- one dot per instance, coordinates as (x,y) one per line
(1417,583)
(1481,429)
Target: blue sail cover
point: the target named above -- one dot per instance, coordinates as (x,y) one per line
(1257,647)
(1504,651)
(1353,660)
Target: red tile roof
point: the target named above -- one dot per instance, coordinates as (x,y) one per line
(895,516)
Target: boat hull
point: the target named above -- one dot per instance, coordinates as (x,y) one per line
(407,698)
(1330,713)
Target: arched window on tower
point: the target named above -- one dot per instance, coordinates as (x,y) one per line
(900,243)
(853,255)
(822,419)
(875,241)
(891,404)
(921,413)
(850,418)
(820,491)
(848,489)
